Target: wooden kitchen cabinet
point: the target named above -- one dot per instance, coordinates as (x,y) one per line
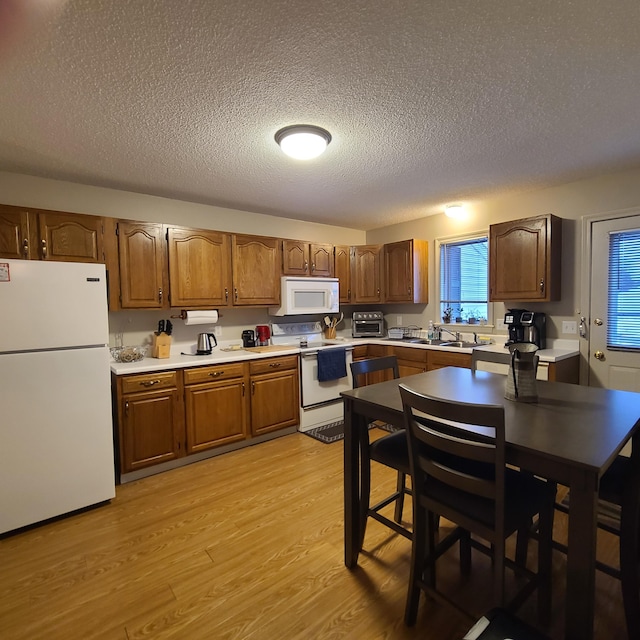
(366,275)
(142,259)
(216,405)
(439,359)
(406,270)
(150,419)
(525,259)
(199,267)
(410,360)
(256,270)
(301,258)
(342,271)
(275,396)
(39,234)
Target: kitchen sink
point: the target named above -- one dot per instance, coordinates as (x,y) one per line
(459,344)
(432,341)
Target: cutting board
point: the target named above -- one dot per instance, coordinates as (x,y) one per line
(271,347)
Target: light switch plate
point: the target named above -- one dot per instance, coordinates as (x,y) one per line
(569,326)
(217,331)
(398,321)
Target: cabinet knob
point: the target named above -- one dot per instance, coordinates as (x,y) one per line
(44,249)
(235,293)
(313,267)
(25,248)
(306,265)
(253,387)
(275,364)
(226,294)
(541,285)
(149,383)
(215,374)
(160,294)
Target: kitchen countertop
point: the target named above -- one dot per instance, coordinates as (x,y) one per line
(558,350)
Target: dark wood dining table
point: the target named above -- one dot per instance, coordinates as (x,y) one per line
(571,435)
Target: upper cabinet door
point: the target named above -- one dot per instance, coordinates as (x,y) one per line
(406,271)
(343,272)
(295,258)
(70,237)
(256,270)
(367,274)
(525,259)
(199,267)
(143,272)
(307,259)
(14,234)
(321,260)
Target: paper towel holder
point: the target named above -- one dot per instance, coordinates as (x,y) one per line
(183,314)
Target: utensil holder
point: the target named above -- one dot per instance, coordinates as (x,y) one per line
(330,333)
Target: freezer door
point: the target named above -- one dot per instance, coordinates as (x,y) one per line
(52,305)
(56,434)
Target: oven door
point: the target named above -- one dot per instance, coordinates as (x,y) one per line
(313,392)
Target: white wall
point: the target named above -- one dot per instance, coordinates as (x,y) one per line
(572,201)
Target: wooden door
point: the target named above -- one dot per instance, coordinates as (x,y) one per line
(216,414)
(199,267)
(70,237)
(367,274)
(321,260)
(143,266)
(441,359)
(14,234)
(256,270)
(295,258)
(342,270)
(151,429)
(524,259)
(274,401)
(410,360)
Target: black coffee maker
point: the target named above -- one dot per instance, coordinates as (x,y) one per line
(526,326)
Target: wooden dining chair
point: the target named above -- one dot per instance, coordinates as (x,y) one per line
(458,467)
(390,450)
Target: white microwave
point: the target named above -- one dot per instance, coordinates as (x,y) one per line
(303,296)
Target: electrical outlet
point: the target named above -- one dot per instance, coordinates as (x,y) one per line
(398,321)
(500,325)
(569,326)
(217,331)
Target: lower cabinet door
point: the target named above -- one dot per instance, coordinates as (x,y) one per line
(274,401)
(151,429)
(216,414)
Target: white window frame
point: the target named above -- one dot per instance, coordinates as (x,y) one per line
(448,240)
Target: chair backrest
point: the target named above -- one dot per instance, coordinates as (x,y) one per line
(361,367)
(459,448)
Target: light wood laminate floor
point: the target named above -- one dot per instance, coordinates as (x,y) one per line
(247,545)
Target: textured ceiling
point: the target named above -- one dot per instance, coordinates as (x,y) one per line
(428,101)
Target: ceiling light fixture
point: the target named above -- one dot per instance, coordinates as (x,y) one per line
(454,211)
(303,141)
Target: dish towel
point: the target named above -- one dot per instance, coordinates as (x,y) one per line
(332,364)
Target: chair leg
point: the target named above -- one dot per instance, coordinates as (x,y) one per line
(522,544)
(418,552)
(545,550)
(498,572)
(465,553)
(400,486)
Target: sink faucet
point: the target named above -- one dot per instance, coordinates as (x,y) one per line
(456,334)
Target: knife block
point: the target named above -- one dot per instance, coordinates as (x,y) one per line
(161,345)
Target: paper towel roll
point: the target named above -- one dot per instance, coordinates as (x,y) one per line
(207,316)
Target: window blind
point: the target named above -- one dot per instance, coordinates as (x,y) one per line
(464,278)
(623,305)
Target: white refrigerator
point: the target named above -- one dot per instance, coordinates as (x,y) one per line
(56,433)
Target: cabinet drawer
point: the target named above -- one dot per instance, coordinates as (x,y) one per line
(269,365)
(149,381)
(376,351)
(217,372)
(410,353)
(360,352)
(439,359)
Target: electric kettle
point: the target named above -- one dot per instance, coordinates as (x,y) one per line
(206,342)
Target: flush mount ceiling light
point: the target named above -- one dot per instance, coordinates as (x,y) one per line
(303,141)
(454,211)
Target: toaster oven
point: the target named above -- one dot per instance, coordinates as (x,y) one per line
(367,324)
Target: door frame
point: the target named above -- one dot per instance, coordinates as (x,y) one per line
(585,278)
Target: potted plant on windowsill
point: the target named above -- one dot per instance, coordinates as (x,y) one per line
(446,315)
